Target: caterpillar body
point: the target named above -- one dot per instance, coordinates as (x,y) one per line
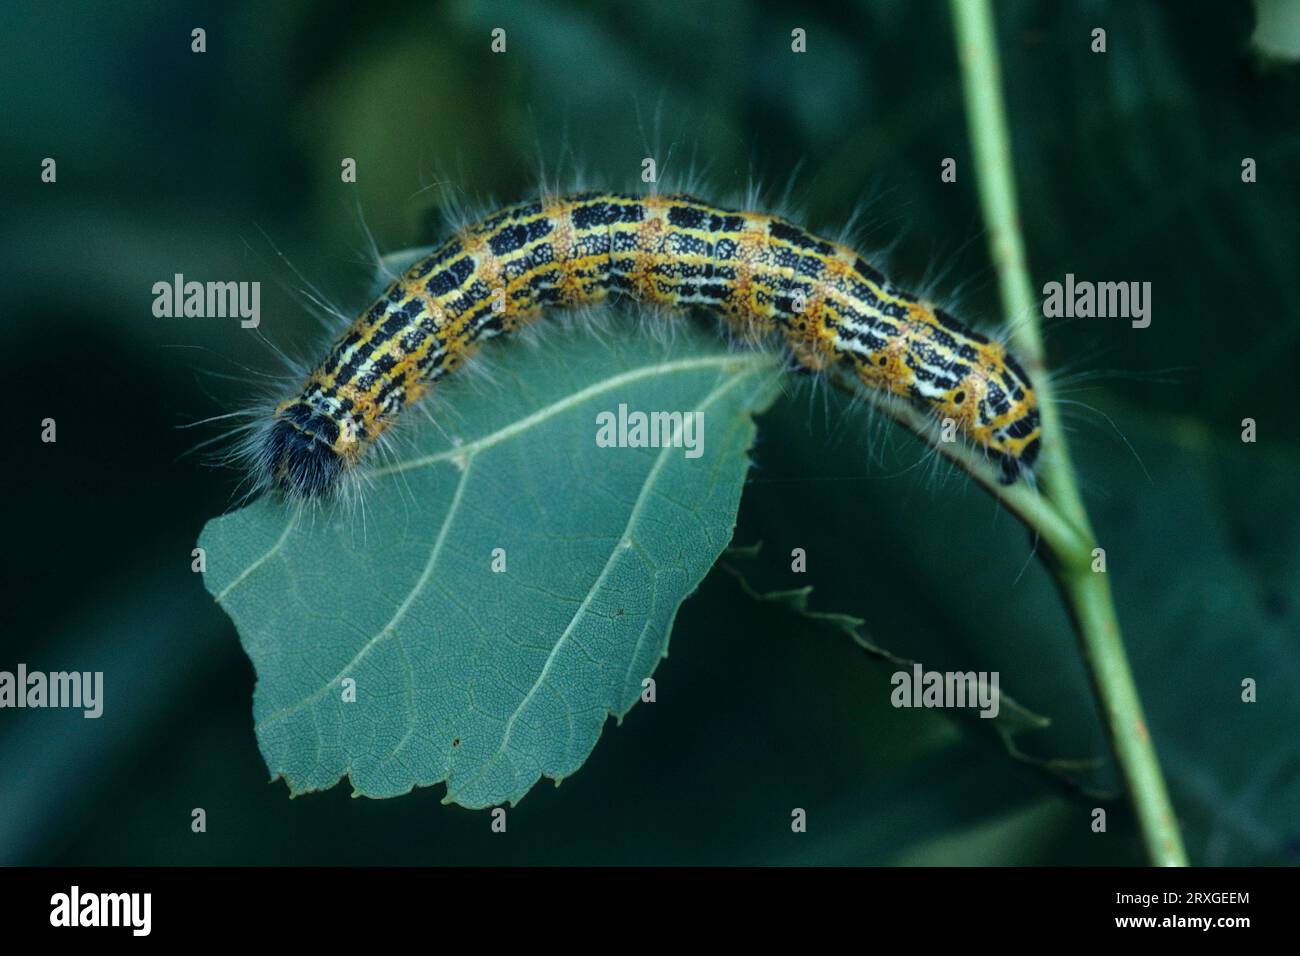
(767,277)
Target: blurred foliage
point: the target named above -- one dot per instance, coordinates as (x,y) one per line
(1129,168)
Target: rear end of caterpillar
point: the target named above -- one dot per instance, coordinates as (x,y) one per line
(768,278)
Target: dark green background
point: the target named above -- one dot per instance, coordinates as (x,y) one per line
(1128,165)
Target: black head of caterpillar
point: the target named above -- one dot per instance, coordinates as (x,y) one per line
(297,453)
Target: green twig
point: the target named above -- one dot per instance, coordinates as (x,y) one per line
(1058,516)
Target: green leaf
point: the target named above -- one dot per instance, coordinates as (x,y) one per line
(486,680)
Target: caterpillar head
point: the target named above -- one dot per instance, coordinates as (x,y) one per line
(300,454)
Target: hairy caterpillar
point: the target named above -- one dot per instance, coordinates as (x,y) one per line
(767,277)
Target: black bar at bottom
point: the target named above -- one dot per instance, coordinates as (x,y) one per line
(298,905)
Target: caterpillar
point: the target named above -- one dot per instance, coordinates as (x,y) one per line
(765,276)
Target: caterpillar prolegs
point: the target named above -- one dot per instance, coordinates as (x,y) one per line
(767,277)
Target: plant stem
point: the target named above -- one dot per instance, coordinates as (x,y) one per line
(1059,517)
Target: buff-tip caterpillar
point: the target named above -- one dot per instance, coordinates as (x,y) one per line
(767,278)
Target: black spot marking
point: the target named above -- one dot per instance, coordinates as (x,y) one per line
(451,278)
(1023,427)
(948,322)
(797,237)
(606,214)
(686,217)
(516,237)
(862,268)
